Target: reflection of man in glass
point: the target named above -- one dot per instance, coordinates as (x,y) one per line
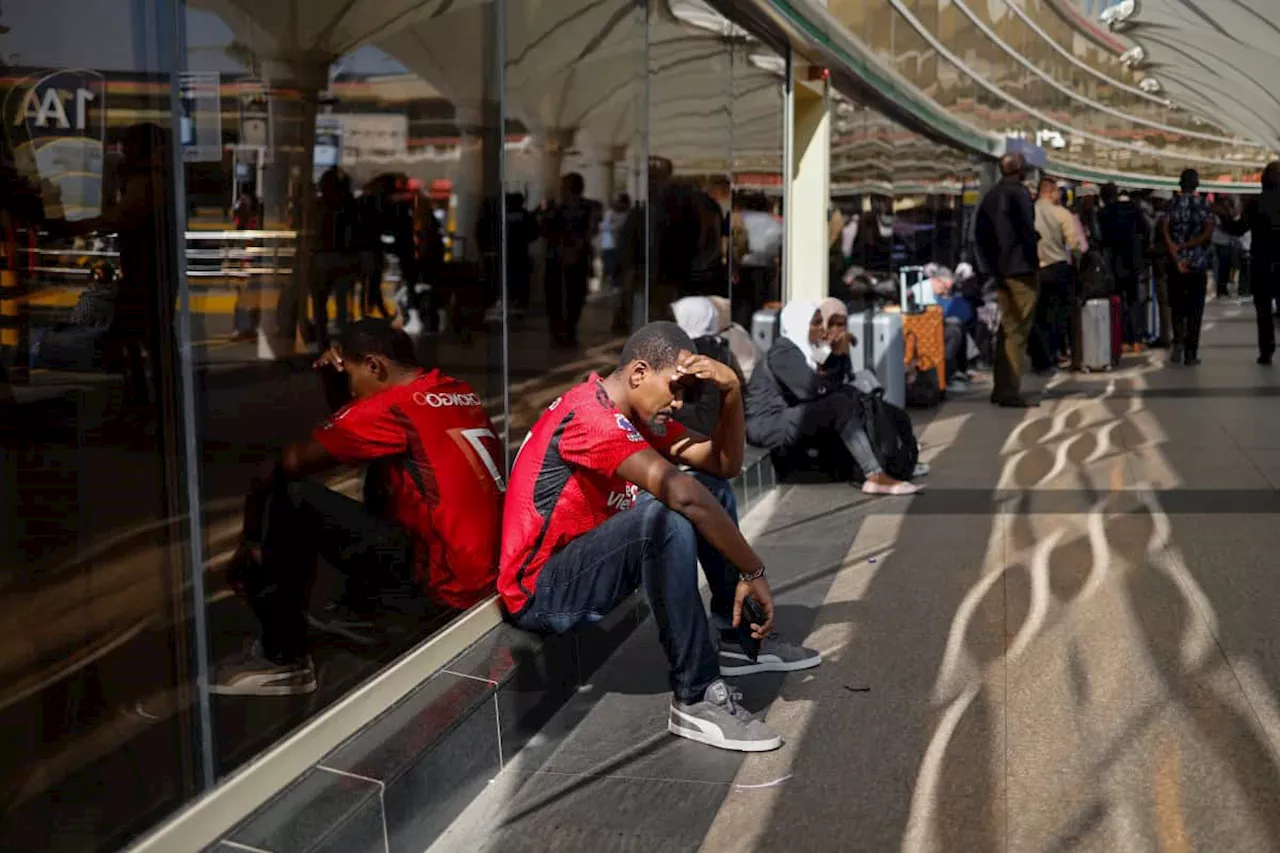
(687,240)
(570,227)
(429,521)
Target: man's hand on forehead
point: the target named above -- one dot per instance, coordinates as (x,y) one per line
(332,357)
(693,368)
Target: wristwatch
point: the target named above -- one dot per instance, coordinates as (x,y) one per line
(754,576)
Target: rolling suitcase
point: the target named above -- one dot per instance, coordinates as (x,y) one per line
(1095,334)
(764,328)
(929,329)
(881,348)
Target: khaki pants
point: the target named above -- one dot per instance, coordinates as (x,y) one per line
(1017,297)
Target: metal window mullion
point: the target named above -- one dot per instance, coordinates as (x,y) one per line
(176,30)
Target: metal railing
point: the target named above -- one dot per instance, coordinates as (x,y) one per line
(234,255)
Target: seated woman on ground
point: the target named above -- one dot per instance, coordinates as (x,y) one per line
(835,319)
(792,401)
(700,319)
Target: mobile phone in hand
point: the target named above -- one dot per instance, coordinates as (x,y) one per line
(752,613)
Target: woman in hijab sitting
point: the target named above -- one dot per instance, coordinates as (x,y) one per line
(835,319)
(708,324)
(794,401)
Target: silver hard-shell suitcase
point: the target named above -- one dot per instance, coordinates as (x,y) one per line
(1095,334)
(881,348)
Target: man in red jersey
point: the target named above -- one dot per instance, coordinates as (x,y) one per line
(597,507)
(430,519)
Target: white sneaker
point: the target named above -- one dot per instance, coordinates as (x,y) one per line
(922,470)
(255,674)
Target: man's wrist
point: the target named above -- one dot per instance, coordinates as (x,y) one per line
(752,576)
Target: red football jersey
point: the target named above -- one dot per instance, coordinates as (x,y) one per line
(564,482)
(437,472)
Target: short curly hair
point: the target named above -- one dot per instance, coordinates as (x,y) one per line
(658,344)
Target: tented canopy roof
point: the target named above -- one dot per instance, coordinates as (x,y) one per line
(1044,71)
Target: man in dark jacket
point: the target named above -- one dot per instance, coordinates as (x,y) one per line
(1005,234)
(1261,219)
(1123,232)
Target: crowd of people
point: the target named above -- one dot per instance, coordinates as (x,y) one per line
(1047,261)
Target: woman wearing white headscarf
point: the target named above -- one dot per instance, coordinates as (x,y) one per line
(701,319)
(793,401)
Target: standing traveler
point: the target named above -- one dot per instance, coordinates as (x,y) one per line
(1123,235)
(610,232)
(1005,238)
(336,264)
(570,229)
(1061,243)
(1223,211)
(1152,206)
(1186,230)
(1261,224)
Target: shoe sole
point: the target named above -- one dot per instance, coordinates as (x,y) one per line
(250,689)
(721,742)
(750,667)
(893,492)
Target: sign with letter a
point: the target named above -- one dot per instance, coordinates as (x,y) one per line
(56,123)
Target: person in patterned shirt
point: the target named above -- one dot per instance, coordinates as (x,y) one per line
(1186,229)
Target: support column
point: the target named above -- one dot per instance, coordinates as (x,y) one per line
(601,175)
(555,143)
(805,261)
(469,185)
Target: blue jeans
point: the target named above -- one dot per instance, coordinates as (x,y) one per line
(660,548)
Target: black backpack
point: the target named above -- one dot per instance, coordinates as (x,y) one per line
(1096,281)
(892,438)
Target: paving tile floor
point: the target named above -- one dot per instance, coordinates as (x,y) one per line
(1069,643)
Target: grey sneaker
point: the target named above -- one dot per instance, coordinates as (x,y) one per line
(257,675)
(341,621)
(719,721)
(776,655)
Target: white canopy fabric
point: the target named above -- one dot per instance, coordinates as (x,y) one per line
(574,69)
(1220,58)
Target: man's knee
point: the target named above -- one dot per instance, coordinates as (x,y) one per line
(666,527)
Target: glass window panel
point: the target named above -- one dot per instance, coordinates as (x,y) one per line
(690,125)
(759,78)
(99,703)
(574,182)
(352,173)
